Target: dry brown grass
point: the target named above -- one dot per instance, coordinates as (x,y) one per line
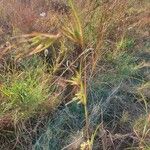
(26,16)
(87,34)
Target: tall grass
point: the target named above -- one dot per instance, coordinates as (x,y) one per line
(97,37)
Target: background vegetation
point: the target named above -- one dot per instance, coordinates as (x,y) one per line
(74,75)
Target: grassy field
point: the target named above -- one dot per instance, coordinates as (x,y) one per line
(74,75)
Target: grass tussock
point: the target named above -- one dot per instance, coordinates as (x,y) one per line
(74,75)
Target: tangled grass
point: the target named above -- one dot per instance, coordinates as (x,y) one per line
(75,75)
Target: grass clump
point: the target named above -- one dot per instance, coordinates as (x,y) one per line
(23,92)
(141,129)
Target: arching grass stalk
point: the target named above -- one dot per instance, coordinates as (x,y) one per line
(75,33)
(81,97)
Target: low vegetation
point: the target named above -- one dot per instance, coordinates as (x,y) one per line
(74,75)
